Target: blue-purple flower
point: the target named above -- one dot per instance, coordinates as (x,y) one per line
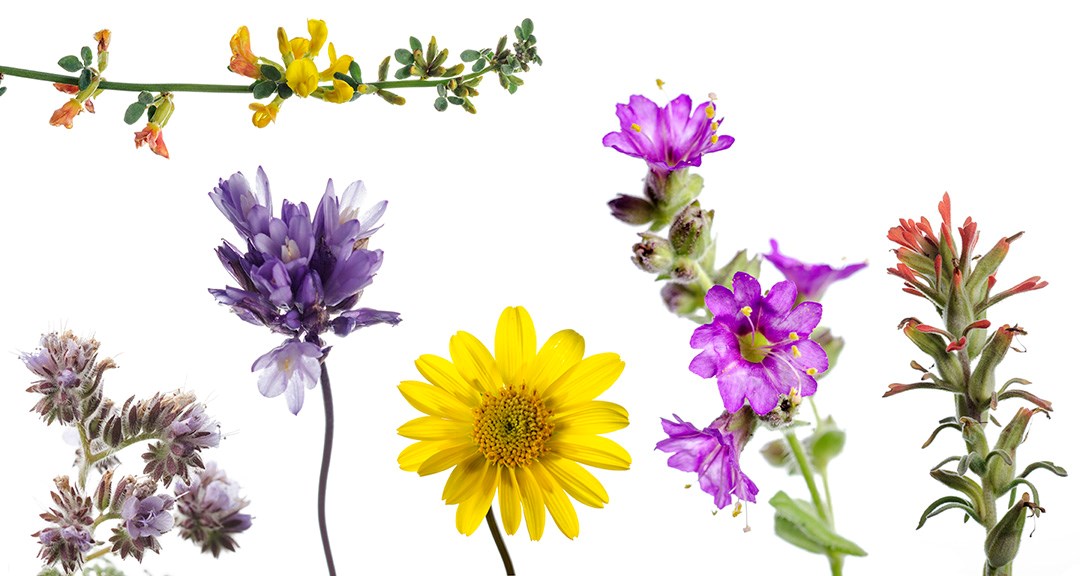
(811,280)
(147,517)
(209,510)
(668,138)
(713,454)
(299,275)
(758,347)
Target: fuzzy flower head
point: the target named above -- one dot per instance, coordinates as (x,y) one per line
(810,280)
(209,510)
(668,138)
(68,536)
(69,376)
(758,347)
(299,275)
(516,426)
(713,454)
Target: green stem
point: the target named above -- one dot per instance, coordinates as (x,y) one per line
(828,495)
(97,554)
(813,405)
(103,518)
(84,464)
(836,561)
(703,277)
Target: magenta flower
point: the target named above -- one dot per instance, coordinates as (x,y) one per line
(713,453)
(757,346)
(668,138)
(811,280)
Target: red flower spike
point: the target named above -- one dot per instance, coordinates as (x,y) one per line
(1033,283)
(958,345)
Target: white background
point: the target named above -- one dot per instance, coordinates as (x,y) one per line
(845,117)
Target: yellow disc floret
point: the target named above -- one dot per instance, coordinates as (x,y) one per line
(512,427)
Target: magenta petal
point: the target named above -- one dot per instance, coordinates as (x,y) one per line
(747,290)
(781,298)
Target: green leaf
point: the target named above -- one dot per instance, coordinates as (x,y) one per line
(511,88)
(87,56)
(402,73)
(70,63)
(1044,464)
(527,27)
(478,66)
(519,33)
(134,112)
(455,100)
(284,92)
(270,72)
(441,89)
(354,71)
(150,111)
(942,504)
(414,44)
(346,79)
(146,98)
(441,104)
(506,69)
(263,89)
(84,79)
(403,56)
(801,516)
(2,90)
(788,530)
(470,55)
(384,69)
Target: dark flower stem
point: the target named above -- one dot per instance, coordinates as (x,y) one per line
(324,471)
(497,536)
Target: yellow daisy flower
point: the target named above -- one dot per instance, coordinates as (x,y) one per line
(519,424)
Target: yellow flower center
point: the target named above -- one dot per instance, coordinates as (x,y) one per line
(512,427)
(754,347)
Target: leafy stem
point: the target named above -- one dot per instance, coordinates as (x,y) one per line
(836,561)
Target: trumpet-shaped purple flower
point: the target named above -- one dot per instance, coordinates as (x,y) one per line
(811,280)
(668,138)
(758,347)
(147,517)
(713,453)
(300,274)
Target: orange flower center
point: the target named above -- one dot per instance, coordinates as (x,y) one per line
(512,427)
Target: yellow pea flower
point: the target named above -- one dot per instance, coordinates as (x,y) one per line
(317,30)
(302,76)
(243,61)
(340,93)
(264,113)
(336,64)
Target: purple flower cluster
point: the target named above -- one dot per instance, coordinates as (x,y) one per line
(68,373)
(209,510)
(65,545)
(713,454)
(299,276)
(758,347)
(668,138)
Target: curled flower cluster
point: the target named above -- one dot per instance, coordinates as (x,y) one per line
(69,376)
(299,276)
(68,536)
(209,510)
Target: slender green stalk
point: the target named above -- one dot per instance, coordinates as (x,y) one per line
(97,554)
(103,518)
(836,561)
(497,536)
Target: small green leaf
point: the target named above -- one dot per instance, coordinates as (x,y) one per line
(346,79)
(441,104)
(1045,464)
(354,71)
(478,66)
(942,504)
(519,33)
(506,69)
(468,106)
(263,89)
(284,92)
(800,514)
(270,72)
(790,531)
(527,27)
(403,56)
(150,111)
(515,80)
(414,44)
(391,98)
(146,98)
(134,112)
(384,69)
(455,100)
(511,88)
(500,46)
(87,56)
(84,79)
(470,55)
(402,73)
(70,63)
(2,90)
(441,89)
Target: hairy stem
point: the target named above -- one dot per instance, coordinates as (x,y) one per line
(497,536)
(324,471)
(97,554)
(836,561)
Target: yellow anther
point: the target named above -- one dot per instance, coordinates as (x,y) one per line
(710,111)
(746,310)
(795,352)
(811,371)
(635,127)
(714,126)
(714,139)
(738,510)
(659,83)
(793,336)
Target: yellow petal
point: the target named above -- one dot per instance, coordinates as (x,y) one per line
(450,456)
(586,380)
(509,500)
(560,352)
(283,43)
(577,481)
(562,511)
(591,450)
(302,76)
(299,47)
(318,32)
(414,455)
(593,417)
(434,401)
(440,372)
(474,363)
(435,428)
(515,344)
(532,500)
(340,93)
(464,479)
(471,512)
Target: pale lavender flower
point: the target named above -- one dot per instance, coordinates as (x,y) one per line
(68,373)
(713,454)
(289,368)
(147,517)
(810,279)
(209,510)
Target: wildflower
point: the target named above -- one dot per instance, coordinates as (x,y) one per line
(151,135)
(243,61)
(264,113)
(147,517)
(209,510)
(517,424)
(810,280)
(302,76)
(300,276)
(713,453)
(668,138)
(69,376)
(64,115)
(757,346)
(69,535)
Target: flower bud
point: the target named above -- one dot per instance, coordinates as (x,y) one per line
(982,384)
(653,254)
(632,210)
(690,232)
(1001,472)
(1003,540)
(680,299)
